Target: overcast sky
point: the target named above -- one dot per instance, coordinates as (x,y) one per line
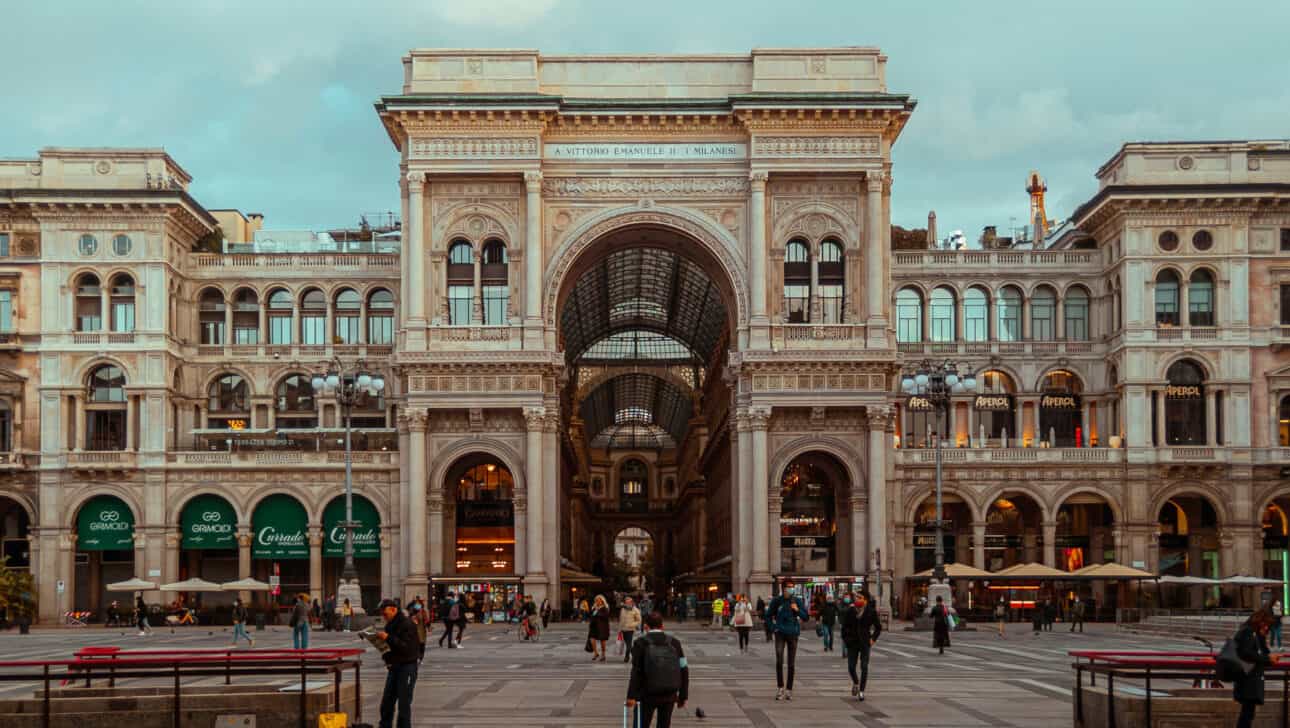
(269,105)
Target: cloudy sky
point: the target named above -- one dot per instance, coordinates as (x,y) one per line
(269,105)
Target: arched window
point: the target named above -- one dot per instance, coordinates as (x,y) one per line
(797,282)
(1185,404)
(246,318)
(349,307)
(228,403)
(976,315)
(493,278)
(461,282)
(1200,298)
(942,302)
(1283,421)
(1167,298)
(295,403)
(122,295)
(832,282)
(1043,314)
(211,314)
(280,309)
(909,315)
(380,318)
(1076,311)
(1009,307)
(1060,410)
(633,486)
(313,318)
(89,303)
(105,412)
(485,523)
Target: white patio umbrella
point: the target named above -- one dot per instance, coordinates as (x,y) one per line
(131,585)
(247,584)
(1187,580)
(192,585)
(1243,580)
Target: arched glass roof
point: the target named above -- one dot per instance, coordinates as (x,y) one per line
(636,410)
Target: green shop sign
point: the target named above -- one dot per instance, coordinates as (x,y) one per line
(367,535)
(105,523)
(280,529)
(208,522)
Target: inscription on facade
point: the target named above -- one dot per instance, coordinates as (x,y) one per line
(631,151)
(633,186)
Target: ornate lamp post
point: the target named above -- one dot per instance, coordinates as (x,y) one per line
(937,384)
(349,387)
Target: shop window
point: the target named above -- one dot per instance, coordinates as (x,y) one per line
(280,311)
(996,407)
(909,316)
(313,318)
(976,315)
(210,313)
(1060,415)
(1185,404)
(380,318)
(797,282)
(807,522)
(349,306)
(1009,328)
(246,318)
(1075,309)
(485,522)
(1167,298)
(1043,314)
(1200,298)
(832,282)
(942,309)
(89,303)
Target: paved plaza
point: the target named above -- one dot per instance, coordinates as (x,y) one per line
(497,681)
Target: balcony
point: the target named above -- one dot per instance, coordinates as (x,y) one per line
(1193,333)
(1023,455)
(378,459)
(304,352)
(1034,348)
(102,460)
(985,260)
(806,336)
(17,460)
(321,262)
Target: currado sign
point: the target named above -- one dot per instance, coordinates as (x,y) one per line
(105,523)
(208,522)
(367,534)
(280,529)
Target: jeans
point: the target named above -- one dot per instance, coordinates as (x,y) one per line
(828,636)
(239,630)
(861,656)
(399,683)
(782,641)
(627,643)
(345,622)
(447,632)
(300,636)
(662,708)
(1274,635)
(743,636)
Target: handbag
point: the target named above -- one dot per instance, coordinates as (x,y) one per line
(949,620)
(1229,666)
(587,647)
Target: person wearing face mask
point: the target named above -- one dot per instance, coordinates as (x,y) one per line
(786,612)
(743,621)
(860,630)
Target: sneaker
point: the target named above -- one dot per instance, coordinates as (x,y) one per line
(252,644)
(788,695)
(855,689)
(861,695)
(779,694)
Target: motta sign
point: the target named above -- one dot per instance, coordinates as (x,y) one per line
(1059,401)
(919,403)
(811,542)
(992,403)
(1184,391)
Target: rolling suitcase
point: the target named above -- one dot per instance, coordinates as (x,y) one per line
(632,716)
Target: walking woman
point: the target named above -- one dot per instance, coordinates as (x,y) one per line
(743,621)
(141,615)
(940,625)
(860,630)
(546,612)
(787,611)
(1001,616)
(1252,648)
(239,623)
(598,628)
(1274,640)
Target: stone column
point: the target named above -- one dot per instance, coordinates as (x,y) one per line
(879,419)
(1085,420)
(435,512)
(414,250)
(228,324)
(1211,420)
(533,259)
(415,528)
(387,564)
(244,558)
(860,560)
(477,298)
(551,526)
(743,498)
(1161,439)
(1017,435)
(757,246)
(875,290)
(401,563)
(978,544)
(79,403)
(1050,543)
(1035,423)
(315,561)
(764,540)
(816,311)
(534,417)
(131,419)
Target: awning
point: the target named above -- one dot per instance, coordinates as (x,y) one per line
(245,585)
(192,585)
(1112,571)
(367,532)
(279,528)
(956,571)
(573,576)
(208,522)
(1032,570)
(105,523)
(1243,580)
(1187,580)
(131,585)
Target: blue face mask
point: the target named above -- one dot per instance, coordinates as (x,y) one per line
(846,600)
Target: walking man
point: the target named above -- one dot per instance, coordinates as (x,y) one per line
(660,678)
(239,623)
(629,620)
(1077,614)
(1001,616)
(860,630)
(141,615)
(400,665)
(451,610)
(786,612)
(828,619)
(300,623)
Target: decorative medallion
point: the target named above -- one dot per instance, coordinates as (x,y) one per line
(1253,164)
(1186,163)
(103,167)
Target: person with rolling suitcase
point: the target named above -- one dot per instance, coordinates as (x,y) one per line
(660,677)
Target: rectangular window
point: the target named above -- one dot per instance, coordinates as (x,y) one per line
(798,300)
(313,330)
(1285,240)
(279,330)
(1200,303)
(123,317)
(347,329)
(1009,322)
(4,245)
(1285,305)
(975,322)
(1042,316)
(909,323)
(831,303)
(212,333)
(460,299)
(105,430)
(1076,321)
(6,311)
(380,330)
(495,299)
(246,336)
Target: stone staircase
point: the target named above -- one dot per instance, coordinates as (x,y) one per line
(1214,628)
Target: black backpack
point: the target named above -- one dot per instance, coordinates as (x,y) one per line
(662,668)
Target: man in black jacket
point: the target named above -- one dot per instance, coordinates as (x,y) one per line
(660,679)
(400,664)
(860,630)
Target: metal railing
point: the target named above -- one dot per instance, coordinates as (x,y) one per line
(113,664)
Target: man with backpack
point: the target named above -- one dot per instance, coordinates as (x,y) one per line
(660,679)
(786,614)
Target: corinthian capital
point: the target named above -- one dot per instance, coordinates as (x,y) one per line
(758,178)
(416,180)
(874,181)
(879,417)
(532,181)
(759,417)
(535,418)
(418,420)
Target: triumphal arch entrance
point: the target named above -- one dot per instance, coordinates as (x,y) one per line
(645,337)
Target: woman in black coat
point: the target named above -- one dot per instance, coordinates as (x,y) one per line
(940,625)
(598,628)
(1252,647)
